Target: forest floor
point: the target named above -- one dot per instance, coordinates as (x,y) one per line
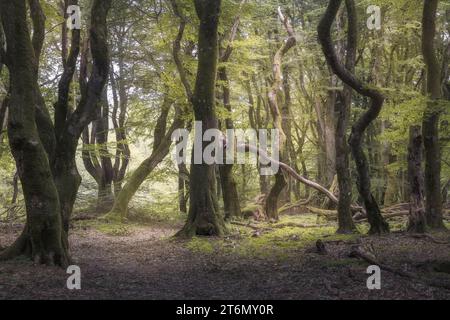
(145,262)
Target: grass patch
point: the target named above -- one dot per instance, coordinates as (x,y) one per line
(277,243)
(115,229)
(201,245)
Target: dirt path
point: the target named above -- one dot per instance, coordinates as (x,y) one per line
(147,265)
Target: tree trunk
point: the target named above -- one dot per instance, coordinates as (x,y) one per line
(230,195)
(417,218)
(203,218)
(100,168)
(183,183)
(45,236)
(345,217)
(271,206)
(42,237)
(377,223)
(161,148)
(431,119)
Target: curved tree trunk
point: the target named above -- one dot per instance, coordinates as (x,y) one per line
(42,237)
(47,151)
(377,223)
(271,206)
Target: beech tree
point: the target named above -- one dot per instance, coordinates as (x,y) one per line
(45,152)
(431,118)
(377,223)
(203,216)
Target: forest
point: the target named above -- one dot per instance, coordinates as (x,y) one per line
(225,149)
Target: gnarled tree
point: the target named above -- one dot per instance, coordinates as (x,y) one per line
(377,223)
(46,151)
(271,206)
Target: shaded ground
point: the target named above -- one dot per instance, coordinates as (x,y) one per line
(145,263)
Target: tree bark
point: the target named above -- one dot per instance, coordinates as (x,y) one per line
(431,118)
(417,218)
(231,201)
(101,168)
(161,148)
(345,217)
(377,223)
(42,237)
(271,206)
(203,218)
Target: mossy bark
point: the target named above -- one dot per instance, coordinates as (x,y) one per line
(417,219)
(161,148)
(42,237)
(343,108)
(45,156)
(377,223)
(203,217)
(434,208)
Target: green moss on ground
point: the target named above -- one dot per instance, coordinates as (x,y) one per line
(270,241)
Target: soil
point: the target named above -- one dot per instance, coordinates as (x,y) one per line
(146,263)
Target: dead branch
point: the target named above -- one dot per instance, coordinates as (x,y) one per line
(359,253)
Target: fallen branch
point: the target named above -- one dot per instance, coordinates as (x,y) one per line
(299,225)
(257,228)
(289,170)
(295,205)
(358,253)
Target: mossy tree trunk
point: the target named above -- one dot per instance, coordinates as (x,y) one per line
(45,152)
(42,237)
(343,107)
(96,157)
(161,148)
(203,217)
(231,201)
(232,207)
(434,211)
(417,219)
(377,223)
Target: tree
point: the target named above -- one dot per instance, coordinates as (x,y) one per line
(345,217)
(417,218)
(431,118)
(271,206)
(161,148)
(44,227)
(231,201)
(377,223)
(203,217)
(96,157)
(45,152)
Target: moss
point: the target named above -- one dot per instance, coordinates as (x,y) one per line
(278,243)
(201,245)
(111,229)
